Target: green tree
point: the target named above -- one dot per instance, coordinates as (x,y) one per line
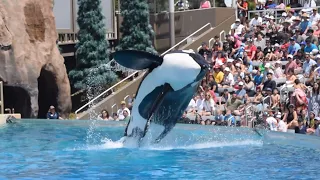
(135,28)
(92,53)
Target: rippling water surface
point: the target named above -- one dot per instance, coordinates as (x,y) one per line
(48,149)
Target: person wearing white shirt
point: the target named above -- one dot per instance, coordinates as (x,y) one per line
(237,27)
(307,64)
(228,80)
(290,17)
(123,108)
(315,17)
(272,122)
(282,127)
(199,102)
(208,105)
(256,21)
(192,106)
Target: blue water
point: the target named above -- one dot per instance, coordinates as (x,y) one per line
(48,149)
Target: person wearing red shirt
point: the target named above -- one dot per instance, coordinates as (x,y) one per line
(251,49)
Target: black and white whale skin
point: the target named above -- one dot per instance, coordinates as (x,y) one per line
(165,91)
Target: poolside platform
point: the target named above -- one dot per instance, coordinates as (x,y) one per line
(3,117)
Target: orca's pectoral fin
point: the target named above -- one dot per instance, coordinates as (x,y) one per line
(137,60)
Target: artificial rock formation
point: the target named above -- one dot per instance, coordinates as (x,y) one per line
(28,44)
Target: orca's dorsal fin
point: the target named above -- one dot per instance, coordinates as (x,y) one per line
(137,60)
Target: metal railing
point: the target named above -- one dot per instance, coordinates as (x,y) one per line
(246,114)
(113,106)
(275,12)
(1,98)
(71,38)
(133,74)
(263,102)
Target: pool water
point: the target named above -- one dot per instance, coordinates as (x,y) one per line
(50,149)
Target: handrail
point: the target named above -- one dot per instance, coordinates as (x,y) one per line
(198,49)
(222,32)
(281,89)
(125,98)
(112,107)
(263,102)
(173,47)
(134,73)
(1,98)
(245,112)
(210,42)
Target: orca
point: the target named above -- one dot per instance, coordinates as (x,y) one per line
(164,92)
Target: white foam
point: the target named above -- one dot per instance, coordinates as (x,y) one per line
(109,144)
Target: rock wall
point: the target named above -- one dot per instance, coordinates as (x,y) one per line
(28,44)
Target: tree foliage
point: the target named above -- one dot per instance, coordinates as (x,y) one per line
(92,53)
(135,28)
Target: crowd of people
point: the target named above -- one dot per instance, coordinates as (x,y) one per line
(266,70)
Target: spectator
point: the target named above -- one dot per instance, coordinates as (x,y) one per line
(126,115)
(120,111)
(225,96)
(115,117)
(249,85)
(309,47)
(208,105)
(52,114)
(269,83)
(230,118)
(305,25)
(228,80)
(218,75)
(257,20)
(294,47)
(241,91)
(204,4)
(315,17)
(282,127)
(204,50)
(251,49)
(105,115)
(291,64)
(192,106)
(278,70)
(236,28)
(234,105)
(308,64)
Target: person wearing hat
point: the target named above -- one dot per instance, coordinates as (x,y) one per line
(236,27)
(315,17)
(122,109)
(52,114)
(291,64)
(293,47)
(218,75)
(241,91)
(228,80)
(278,70)
(257,20)
(217,40)
(305,24)
(282,127)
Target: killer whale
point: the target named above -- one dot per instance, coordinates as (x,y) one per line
(164,92)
